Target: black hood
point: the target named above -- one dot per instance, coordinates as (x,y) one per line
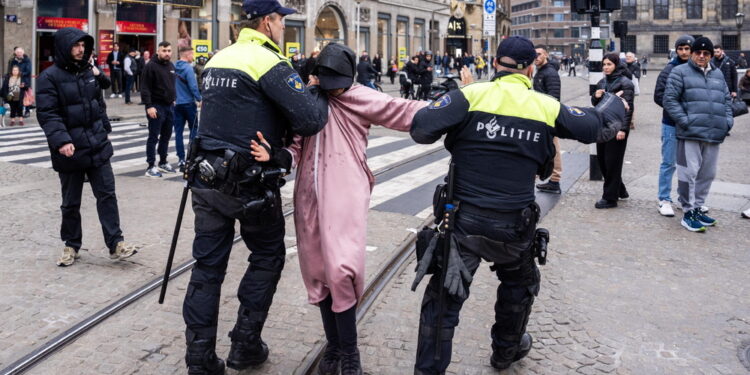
(621,71)
(64,41)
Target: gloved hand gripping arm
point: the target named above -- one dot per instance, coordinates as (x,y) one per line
(588,125)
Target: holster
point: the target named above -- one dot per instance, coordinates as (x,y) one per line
(439,199)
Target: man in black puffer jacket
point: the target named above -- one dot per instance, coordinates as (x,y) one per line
(724,63)
(72,113)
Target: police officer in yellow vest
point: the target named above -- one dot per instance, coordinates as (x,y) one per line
(499,134)
(247,88)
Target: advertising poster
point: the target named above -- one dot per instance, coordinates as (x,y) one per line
(106,43)
(201,47)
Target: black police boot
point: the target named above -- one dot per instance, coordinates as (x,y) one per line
(331,361)
(201,356)
(502,358)
(248,349)
(350,363)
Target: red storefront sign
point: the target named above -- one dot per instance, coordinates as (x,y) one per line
(56,23)
(106,43)
(136,27)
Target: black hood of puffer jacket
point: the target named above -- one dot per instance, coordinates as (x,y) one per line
(64,41)
(621,71)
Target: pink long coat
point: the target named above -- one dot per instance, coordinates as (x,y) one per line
(332,192)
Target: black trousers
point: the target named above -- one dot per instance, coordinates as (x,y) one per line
(16,109)
(159,132)
(519,284)
(611,155)
(116,77)
(102,182)
(215,216)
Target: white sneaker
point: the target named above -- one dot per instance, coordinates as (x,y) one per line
(746,214)
(112,96)
(119,95)
(665,208)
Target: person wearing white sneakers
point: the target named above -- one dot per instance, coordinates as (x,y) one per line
(668,140)
(746,214)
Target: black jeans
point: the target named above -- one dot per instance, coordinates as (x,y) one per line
(16,109)
(519,284)
(611,155)
(129,80)
(102,182)
(159,131)
(116,77)
(215,216)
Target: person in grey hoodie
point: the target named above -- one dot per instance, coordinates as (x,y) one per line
(186,108)
(698,100)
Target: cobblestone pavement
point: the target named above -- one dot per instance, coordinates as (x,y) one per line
(625,291)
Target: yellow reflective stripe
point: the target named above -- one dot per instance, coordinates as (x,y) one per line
(512,96)
(248,55)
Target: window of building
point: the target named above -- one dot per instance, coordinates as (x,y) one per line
(578,17)
(558,3)
(384,34)
(294,32)
(629,11)
(70,9)
(525,6)
(558,33)
(661,9)
(558,17)
(730,42)
(604,33)
(419,37)
(661,43)
(575,32)
(694,9)
(402,35)
(628,44)
(728,9)
(537,33)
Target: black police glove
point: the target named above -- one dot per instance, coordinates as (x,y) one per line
(456,274)
(612,110)
(425,262)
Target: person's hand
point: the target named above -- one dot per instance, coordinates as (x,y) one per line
(95,70)
(624,102)
(466,77)
(198,104)
(260,153)
(598,93)
(620,135)
(151,112)
(734,94)
(115,62)
(313,81)
(67,150)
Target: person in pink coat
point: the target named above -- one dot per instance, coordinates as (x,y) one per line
(332,197)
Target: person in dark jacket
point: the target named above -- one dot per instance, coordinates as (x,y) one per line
(365,72)
(23,62)
(446,63)
(682,46)
(633,66)
(310,63)
(72,113)
(116,60)
(699,102)
(158,95)
(139,64)
(377,63)
(547,81)
(727,67)
(426,69)
(12,93)
(611,154)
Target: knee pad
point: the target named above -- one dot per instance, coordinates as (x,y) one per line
(512,311)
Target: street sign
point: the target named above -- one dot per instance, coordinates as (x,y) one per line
(488,26)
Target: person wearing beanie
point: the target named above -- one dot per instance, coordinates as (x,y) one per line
(682,46)
(332,197)
(698,100)
(504,124)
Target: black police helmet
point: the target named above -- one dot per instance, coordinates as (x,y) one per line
(336,67)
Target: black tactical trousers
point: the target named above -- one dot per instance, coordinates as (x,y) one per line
(102,182)
(215,215)
(519,284)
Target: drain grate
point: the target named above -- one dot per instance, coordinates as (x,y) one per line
(743,352)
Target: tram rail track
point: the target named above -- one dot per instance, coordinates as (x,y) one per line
(57,343)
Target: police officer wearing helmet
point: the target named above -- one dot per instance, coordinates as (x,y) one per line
(499,134)
(249,87)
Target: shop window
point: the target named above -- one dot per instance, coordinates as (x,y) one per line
(661,43)
(402,35)
(384,35)
(419,35)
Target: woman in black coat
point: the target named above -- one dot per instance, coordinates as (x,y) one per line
(611,154)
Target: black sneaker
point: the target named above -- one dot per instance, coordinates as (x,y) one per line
(502,359)
(552,187)
(351,364)
(329,364)
(603,203)
(624,196)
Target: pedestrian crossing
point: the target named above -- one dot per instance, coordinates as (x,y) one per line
(407,189)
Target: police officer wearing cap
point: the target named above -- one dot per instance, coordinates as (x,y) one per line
(249,87)
(499,134)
